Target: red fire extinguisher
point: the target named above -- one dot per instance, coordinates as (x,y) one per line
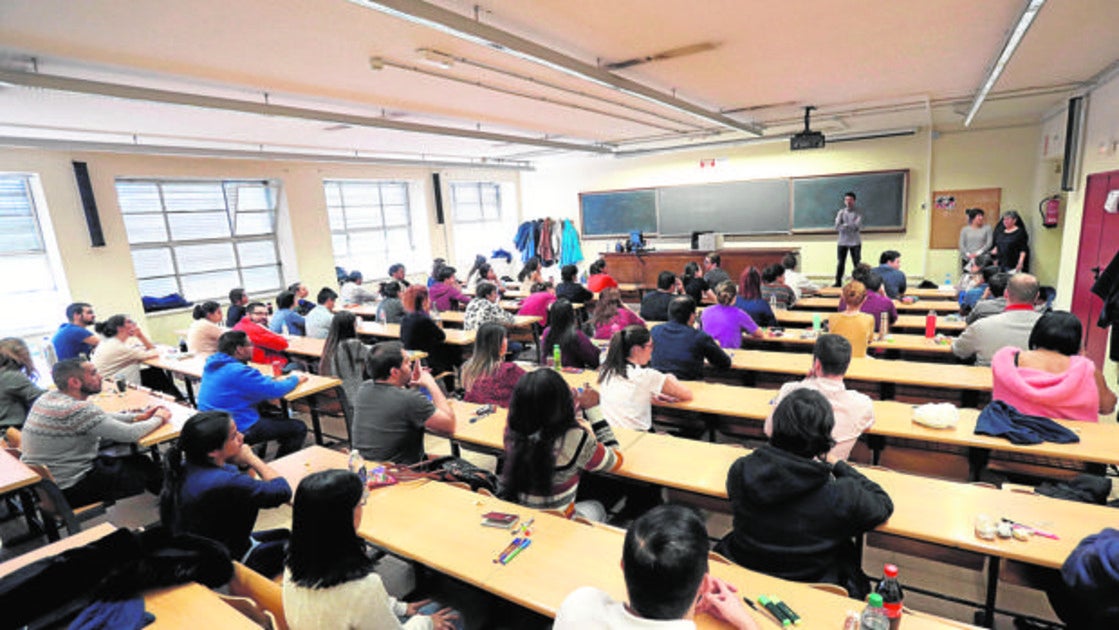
(1050,209)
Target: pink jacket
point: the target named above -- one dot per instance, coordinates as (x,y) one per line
(1072,395)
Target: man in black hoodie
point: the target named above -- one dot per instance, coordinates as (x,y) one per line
(795,514)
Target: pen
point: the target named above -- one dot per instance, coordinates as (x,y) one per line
(513,545)
(1036,531)
(527,524)
(524,545)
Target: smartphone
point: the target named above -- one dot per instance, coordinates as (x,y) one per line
(417,369)
(501,520)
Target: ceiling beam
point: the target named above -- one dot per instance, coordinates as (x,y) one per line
(115,90)
(462,27)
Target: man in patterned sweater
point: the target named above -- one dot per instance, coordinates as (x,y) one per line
(64,431)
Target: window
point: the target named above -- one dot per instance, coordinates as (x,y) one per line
(372,227)
(201,238)
(481,222)
(29,278)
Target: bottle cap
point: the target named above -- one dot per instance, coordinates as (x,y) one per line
(890,570)
(875,600)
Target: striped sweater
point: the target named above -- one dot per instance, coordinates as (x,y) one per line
(64,434)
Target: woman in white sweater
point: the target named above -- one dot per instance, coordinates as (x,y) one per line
(122,352)
(202,337)
(329,582)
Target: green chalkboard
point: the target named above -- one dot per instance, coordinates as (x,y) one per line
(759,206)
(881,197)
(618,212)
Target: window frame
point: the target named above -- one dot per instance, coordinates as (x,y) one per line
(481,187)
(349,233)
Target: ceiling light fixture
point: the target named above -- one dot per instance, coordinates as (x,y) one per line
(462,27)
(435,58)
(1024,21)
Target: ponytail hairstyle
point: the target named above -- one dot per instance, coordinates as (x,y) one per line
(390,290)
(854,294)
(609,301)
(110,327)
(532,265)
(343,326)
(476,268)
(691,270)
(203,433)
(541,411)
(324,549)
(751,281)
(617,356)
(725,293)
(201,311)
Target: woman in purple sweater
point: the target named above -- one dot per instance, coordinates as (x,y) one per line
(487,376)
(726,322)
(575,349)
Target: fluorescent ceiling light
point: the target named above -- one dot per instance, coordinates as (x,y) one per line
(1024,21)
(462,27)
(435,58)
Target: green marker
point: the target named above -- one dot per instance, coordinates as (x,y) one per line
(775,611)
(785,610)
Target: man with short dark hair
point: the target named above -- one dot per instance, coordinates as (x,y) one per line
(318,320)
(664,561)
(654,304)
(849,225)
(714,274)
(678,348)
(774,289)
(854,411)
(993,300)
(893,278)
(229,384)
(570,288)
(237,301)
(1012,327)
(73,338)
(445,293)
(268,347)
(64,431)
(391,414)
(798,282)
(286,316)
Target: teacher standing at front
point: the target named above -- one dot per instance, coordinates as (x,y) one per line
(849,224)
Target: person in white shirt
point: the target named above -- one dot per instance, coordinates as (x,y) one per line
(353,293)
(854,411)
(628,387)
(664,560)
(797,281)
(318,320)
(202,336)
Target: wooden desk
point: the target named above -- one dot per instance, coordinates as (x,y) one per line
(137,399)
(923,306)
(14,474)
(487,433)
(895,345)
(642,269)
(803,318)
(455,337)
(458,318)
(80,539)
(929,294)
(508,294)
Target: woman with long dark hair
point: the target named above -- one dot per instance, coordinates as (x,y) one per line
(563,331)
(17,392)
(202,336)
(205,494)
(343,354)
(610,315)
(487,376)
(750,298)
(628,387)
(329,581)
(694,284)
(546,449)
(419,332)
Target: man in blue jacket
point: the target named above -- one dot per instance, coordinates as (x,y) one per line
(678,348)
(229,384)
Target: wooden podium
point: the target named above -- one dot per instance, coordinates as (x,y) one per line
(642,269)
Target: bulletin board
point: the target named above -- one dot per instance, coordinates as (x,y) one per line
(949,213)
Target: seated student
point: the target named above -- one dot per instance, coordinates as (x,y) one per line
(122,352)
(390,414)
(268,347)
(796,514)
(1012,327)
(1085,593)
(853,410)
(73,339)
(725,322)
(487,376)
(680,349)
(541,297)
(563,330)
(318,320)
(973,284)
(445,293)
(714,274)
(391,308)
(628,388)
(1051,379)
(876,301)
(610,315)
(397,274)
(695,286)
(208,496)
(487,274)
(64,430)
(436,265)
(238,300)
(228,384)
(302,304)
(530,273)
(17,392)
(202,336)
(286,317)
(853,324)
(329,581)
(484,308)
(343,355)
(599,280)
(774,289)
(750,298)
(419,332)
(352,291)
(570,288)
(893,278)
(798,282)
(665,563)
(654,304)
(993,300)
(546,449)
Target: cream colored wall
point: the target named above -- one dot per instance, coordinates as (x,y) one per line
(1002,158)
(105,276)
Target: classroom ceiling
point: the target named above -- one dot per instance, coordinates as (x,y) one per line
(296,77)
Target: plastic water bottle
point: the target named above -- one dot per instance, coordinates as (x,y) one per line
(874,616)
(182,344)
(816,323)
(947,279)
(356,461)
(556,357)
(883,325)
(890,590)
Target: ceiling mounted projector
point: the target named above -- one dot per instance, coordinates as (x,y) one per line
(807,139)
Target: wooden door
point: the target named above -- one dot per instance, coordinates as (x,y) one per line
(1099,242)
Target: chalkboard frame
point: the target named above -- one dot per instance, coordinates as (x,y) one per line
(583,218)
(901,229)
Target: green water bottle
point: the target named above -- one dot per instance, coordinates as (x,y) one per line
(816,320)
(556,356)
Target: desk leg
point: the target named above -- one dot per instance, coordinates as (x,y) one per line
(189,382)
(887,391)
(986,617)
(316,423)
(455,450)
(969,398)
(877,444)
(749,378)
(977,459)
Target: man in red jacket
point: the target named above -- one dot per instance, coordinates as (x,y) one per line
(268,347)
